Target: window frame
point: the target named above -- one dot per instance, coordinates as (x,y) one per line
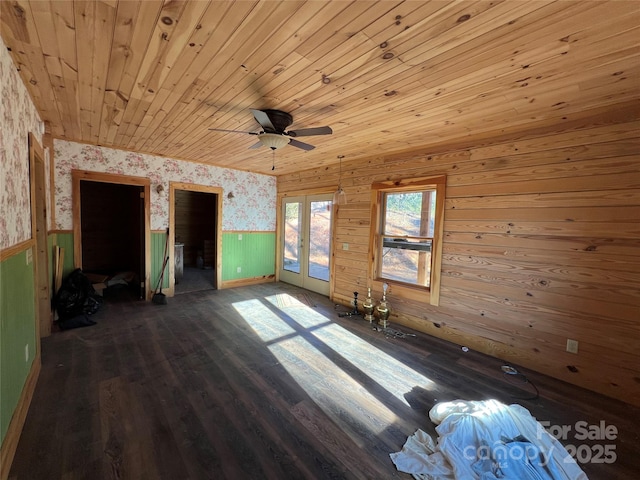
(399,289)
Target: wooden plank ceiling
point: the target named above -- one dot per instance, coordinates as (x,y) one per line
(155,76)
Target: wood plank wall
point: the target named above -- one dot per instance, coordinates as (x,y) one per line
(541,244)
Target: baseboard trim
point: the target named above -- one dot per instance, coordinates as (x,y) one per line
(10,443)
(241,282)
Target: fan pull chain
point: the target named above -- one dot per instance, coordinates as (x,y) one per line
(273,156)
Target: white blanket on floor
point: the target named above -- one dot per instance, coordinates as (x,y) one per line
(485,440)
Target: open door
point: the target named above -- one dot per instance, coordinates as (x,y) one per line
(39,233)
(305,245)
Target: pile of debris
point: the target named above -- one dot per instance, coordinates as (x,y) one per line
(76,301)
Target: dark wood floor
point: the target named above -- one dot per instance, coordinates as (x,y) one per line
(250,383)
(195,280)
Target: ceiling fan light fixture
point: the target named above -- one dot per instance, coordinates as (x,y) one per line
(273,140)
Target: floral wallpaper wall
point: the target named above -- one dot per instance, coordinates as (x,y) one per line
(253,207)
(18,117)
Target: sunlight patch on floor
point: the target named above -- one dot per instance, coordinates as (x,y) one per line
(331,387)
(264,321)
(303,314)
(391,374)
(316,366)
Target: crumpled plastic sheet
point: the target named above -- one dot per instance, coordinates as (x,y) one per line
(485,440)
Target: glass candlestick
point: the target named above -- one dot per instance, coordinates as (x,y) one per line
(368,307)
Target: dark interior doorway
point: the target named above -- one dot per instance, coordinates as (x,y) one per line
(195,241)
(113,240)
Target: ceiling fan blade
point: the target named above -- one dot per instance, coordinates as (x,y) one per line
(305,132)
(256,145)
(231,131)
(302,145)
(263,119)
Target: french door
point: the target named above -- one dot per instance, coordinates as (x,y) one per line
(305,246)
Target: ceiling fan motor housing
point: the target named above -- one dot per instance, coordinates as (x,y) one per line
(280,120)
(274,134)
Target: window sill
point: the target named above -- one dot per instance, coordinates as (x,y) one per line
(400,290)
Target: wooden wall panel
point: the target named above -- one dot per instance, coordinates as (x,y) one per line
(64,239)
(541,244)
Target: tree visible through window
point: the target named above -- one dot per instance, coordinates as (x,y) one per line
(407,241)
(407,236)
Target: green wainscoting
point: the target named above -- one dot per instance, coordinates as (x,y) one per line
(254,253)
(17,332)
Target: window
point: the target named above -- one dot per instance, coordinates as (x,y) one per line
(407,236)
(408,217)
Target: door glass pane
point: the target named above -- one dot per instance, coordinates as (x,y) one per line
(319,239)
(292,219)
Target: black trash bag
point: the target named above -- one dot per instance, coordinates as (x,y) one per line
(76,297)
(76,322)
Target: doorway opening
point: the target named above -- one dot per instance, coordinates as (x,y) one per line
(111,234)
(195,222)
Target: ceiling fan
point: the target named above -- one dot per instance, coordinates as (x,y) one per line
(274,136)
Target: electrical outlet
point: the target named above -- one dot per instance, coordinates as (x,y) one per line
(239,236)
(572,346)
(239,270)
(345,246)
(26,352)
(29,256)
